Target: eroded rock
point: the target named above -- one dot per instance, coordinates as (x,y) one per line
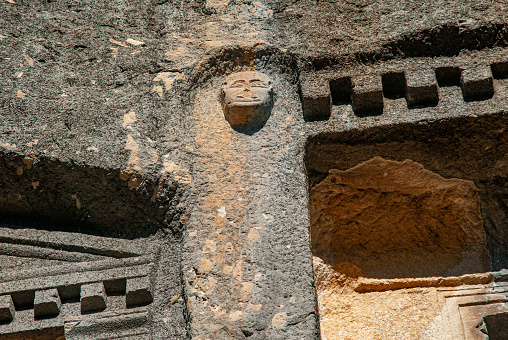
(396,219)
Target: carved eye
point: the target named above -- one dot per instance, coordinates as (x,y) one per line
(258,83)
(237,83)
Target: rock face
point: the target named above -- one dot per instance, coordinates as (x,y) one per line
(123,182)
(396,219)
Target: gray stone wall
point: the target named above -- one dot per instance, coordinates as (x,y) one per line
(120,173)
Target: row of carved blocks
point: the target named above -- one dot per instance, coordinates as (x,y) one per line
(93,298)
(366,93)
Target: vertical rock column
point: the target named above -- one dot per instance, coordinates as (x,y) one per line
(246,259)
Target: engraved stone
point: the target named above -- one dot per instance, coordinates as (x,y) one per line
(367,96)
(47,303)
(477,83)
(421,88)
(6,308)
(247,100)
(138,291)
(317,101)
(93,297)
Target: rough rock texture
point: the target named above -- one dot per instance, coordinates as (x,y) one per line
(111,131)
(396,219)
(346,314)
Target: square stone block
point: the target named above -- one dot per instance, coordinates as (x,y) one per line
(47,303)
(421,88)
(93,297)
(317,99)
(477,83)
(138,291)
(367,95)
(6,308)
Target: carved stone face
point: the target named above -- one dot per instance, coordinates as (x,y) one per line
(247,99)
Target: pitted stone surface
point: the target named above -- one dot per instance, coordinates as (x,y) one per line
(477,83)
(389,218)
(317,99)
(7,310)
(93,297)
(138,291)
(422,88)
(47,303)
(367,96)
(110,125)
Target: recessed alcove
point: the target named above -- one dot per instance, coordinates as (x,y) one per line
(82,242)
(405,217)
(496,326)
(396,219)
(472,149)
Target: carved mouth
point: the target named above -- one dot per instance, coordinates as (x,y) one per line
(245,102)
(242,99)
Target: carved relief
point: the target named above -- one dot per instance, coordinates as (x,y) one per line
(247,100)
(410,240)
(63,274)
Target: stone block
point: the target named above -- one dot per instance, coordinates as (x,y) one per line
(6,308)
(367,95)
(421,88)
(93,297)
(47,303)
(317,99)
(138,291)
(119,324)
(477,83)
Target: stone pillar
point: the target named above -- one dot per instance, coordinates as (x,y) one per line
(247,273)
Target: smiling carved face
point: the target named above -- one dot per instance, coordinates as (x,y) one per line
(247,98)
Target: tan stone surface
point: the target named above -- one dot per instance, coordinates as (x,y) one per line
(385,236)
(348,315)
(397,219)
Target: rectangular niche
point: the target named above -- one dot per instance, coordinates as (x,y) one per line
(403,217)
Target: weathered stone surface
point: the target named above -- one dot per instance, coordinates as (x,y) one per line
(111,126)
(421,88)
(345,313)
(367,95)
(93,297)
(6,308)
(477,83)
(138,291)
(47,303)
(126,324)
(317,99)
(396,219)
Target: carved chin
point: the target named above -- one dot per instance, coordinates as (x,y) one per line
(246,115)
